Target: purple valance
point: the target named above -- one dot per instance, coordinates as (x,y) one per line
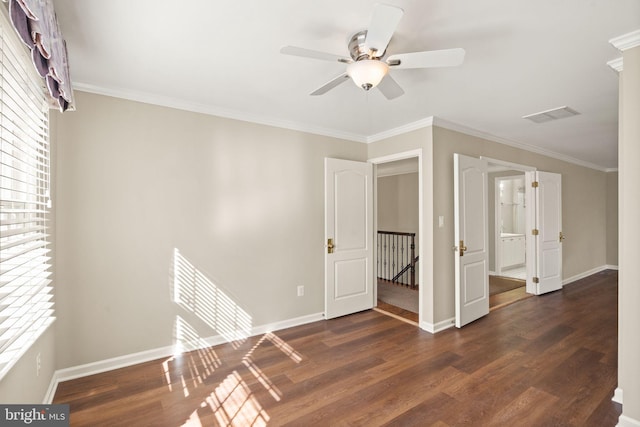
(37,25)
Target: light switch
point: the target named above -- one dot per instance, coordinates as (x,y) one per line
(441,221)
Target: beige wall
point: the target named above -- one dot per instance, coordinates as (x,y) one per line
(629,199)
(612,218)
(242,203)
(398,203)
(398,210)
(583,205)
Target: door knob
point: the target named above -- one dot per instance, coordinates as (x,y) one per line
(562,237)
(330,246)
(463,248)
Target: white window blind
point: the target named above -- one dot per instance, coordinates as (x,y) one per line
(26,306)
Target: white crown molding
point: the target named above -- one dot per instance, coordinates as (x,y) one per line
(622,43)
(169,102)
(419,124)
(626,41)
(178,104)
(616,64)
(522,146)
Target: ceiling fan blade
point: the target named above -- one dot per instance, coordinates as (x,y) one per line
(384,21)
(427,59)
(331,84)
(390,88)
(314,54)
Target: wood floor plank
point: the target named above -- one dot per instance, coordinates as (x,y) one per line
(531,405)
(544,360)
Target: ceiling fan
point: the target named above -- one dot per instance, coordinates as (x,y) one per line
(368,66)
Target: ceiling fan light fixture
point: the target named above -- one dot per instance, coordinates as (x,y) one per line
(367,73)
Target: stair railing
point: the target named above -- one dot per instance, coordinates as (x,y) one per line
(396,260)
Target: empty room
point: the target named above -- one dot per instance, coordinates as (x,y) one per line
(320,213)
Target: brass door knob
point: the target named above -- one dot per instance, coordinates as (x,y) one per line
(463,248)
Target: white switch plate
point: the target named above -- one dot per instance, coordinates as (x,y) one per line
(300,290)
(441,221)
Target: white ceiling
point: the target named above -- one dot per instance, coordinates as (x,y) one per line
(222,57)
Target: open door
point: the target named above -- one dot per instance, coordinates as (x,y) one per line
(471,238)
(544,239)
(349,285)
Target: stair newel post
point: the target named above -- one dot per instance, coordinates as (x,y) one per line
(413,262)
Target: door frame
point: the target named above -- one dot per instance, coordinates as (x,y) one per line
(388,159)
(529,260)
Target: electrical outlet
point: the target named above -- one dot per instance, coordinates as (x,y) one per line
(38,365)
(300,290)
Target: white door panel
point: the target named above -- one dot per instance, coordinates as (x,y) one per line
(547,244)
(471,239)
(350,213)
(349,223)
(348,276)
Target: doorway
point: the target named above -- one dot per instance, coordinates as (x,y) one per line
(507,233)
(507,225)
(398,217)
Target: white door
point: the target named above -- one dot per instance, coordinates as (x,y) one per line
(348,237)
(471,238)
(545,236)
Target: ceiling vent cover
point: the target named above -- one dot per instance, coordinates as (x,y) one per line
(553,114)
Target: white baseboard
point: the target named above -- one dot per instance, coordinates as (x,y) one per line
(625,421)
(588,273)
(434,328)
(159,353)
(617,395)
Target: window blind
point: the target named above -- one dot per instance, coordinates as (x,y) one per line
(26,306)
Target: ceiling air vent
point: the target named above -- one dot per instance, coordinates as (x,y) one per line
(553,114)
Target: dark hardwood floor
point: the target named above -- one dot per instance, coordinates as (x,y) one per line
(542,361)
(508,297)
(397,311)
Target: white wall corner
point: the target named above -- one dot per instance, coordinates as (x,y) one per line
(426,326)
(438,327)
(625,421)
(617,395)
(622,43)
